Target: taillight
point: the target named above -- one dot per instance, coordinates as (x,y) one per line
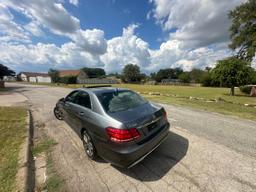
(122,135)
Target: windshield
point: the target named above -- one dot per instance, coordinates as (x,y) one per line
(120,100)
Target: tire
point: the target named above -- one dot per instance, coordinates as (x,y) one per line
(89,148)
(58,114)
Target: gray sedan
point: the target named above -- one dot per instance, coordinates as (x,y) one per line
(116,124)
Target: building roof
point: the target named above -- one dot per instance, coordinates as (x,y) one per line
(63,73)
(34,74)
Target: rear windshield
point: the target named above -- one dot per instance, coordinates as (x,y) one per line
(120,100)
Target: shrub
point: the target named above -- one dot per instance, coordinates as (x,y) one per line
(184,77)
(68,80)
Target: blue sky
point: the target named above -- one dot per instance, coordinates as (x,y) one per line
(115,15)
(36,35)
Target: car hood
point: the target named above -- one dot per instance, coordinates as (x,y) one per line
(136,116)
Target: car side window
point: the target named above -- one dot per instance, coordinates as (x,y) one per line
(72,97)
(83,99)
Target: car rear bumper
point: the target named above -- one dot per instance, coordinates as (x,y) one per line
(131,155)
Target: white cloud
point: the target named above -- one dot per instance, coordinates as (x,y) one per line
(125,49)
(92,41)
(48,13)
(34,28)
(74,2)
(198,22)
(173,54)
(129,48)
(54,17)
(9,30)
(44,56)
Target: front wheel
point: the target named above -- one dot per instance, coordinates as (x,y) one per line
(88,146)
(58,113)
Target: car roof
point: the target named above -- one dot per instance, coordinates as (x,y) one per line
(98,90)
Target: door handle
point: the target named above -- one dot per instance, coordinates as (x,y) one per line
(81,113)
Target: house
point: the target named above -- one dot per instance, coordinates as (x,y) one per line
(64,73)
(34,77)
(9,78)
(83,78)
(170,81)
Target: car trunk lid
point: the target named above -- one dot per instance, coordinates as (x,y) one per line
(147,118)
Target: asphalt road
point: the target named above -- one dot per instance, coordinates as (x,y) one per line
(204,152)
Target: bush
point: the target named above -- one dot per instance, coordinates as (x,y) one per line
(68,80)
(184,77)
(246,89)
(206,80)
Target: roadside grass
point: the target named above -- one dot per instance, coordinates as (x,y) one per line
(180,95)
(219,107)
(54,182)
(43,146)
(12,135)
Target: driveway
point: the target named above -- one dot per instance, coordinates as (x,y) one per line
(204,152)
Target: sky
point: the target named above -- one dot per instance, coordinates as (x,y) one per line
(36,35)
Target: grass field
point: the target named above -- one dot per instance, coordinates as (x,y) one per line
(12,134)
(206,98)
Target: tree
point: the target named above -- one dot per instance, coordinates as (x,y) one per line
(94,72)
(168,74)
(254,77)
(184,77)
(116,75)
(5,71)
(231,72)
(144,77)
(54,74)
(206,79)
(243,30)
(131,73)
(153,76)
(196,75)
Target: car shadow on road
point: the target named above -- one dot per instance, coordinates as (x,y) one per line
(160,161)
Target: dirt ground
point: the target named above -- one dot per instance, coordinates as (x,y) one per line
(204,152)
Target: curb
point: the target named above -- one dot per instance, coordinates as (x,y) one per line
(22,176)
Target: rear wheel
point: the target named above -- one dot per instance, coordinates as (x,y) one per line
(88,146)
(58,113)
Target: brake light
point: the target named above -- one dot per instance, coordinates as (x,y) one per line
(122,135)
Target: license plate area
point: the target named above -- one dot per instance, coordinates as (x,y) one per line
(152,126)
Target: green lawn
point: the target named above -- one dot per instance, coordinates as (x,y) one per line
(12,134)
(180,95)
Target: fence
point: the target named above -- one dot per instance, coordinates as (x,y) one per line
(96,81)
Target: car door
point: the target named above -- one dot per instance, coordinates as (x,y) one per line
(81,110)
(69,108)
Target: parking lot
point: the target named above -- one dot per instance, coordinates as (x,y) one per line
(204,152)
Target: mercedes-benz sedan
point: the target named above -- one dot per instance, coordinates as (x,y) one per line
(116,124)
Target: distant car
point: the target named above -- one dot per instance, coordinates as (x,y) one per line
(116,124)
